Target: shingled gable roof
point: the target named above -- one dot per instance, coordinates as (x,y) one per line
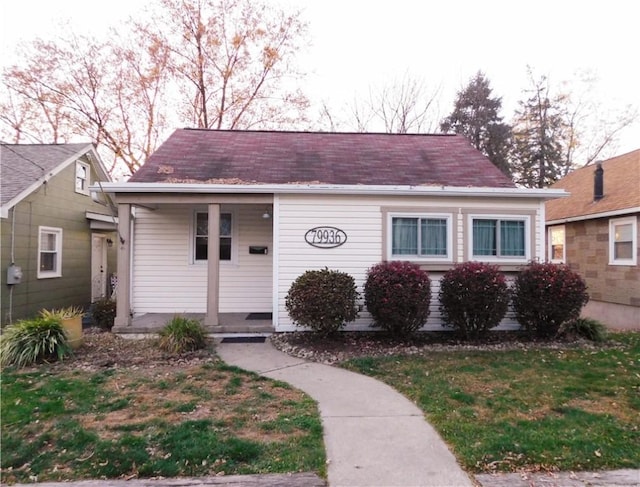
(621,189)
(262,157)
(25,166)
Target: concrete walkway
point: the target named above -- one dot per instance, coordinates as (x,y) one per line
(373,435)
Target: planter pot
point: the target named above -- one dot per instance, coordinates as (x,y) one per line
(73,328)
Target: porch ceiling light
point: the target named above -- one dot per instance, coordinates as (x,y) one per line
(266,215)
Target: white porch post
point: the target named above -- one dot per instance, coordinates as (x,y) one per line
(123,306)
(213,267)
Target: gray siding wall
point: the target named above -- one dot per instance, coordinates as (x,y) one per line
(55,204)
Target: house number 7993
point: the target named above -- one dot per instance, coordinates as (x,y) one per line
(325,237)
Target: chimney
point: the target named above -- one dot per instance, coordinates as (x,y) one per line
(598,183)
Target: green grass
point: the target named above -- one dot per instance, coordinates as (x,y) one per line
(66,425)
(575,409)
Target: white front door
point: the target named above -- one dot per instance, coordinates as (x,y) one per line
(98,266)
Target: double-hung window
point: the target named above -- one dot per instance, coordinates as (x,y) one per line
(421,237)
(82,177)
(499,238)
(201,236)
(623,241)
(557,244)
(49,252)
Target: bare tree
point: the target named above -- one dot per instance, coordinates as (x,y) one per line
(557,129)
(208,63)
(232,61)
(404,106)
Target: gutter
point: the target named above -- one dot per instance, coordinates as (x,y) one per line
(335,189)
(593,216)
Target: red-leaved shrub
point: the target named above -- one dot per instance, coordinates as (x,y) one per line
(547,295)
(474,298)
(398,294)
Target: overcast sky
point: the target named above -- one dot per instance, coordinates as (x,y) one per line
(357,44)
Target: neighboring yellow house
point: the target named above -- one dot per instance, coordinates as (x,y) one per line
(57,239)
(596,232)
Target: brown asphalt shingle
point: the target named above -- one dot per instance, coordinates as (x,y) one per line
(263,157)
(621,189)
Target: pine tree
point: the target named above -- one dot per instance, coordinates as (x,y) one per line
(540,134)
(476,116)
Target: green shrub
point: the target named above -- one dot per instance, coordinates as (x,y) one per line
(30,341)
(182,335)
(103,313)
(474,297)
(322,300)
(398,295)
(547,295)
(585,328)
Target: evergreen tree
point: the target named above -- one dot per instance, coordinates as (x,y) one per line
(476,116)
(540,135)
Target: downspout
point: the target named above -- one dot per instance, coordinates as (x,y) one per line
(13,246)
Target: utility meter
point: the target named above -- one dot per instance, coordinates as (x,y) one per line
(14,274)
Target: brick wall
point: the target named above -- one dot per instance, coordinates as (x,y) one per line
(587,252)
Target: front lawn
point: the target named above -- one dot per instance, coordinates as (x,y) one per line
(62,423)
(532,408)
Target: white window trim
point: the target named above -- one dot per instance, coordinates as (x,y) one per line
(58,271)
(420,258)
(87,168)
(491,258)
(234,239)
(550,246)
(634,240)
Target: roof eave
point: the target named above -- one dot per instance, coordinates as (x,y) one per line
(593,216)
(187,188)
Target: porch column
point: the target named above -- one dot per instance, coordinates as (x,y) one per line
(213,267)
(123,306)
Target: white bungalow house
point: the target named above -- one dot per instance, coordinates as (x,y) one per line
(218,224)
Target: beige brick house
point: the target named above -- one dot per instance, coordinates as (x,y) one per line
(595,231)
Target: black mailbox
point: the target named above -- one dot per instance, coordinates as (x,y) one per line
(258,249)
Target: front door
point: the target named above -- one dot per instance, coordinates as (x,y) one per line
(98,266)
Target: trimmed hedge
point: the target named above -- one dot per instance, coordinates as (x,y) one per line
(322,300)
(474,297)
(398,295)
(547,295)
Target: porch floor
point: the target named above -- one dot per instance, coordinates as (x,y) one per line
(229,323)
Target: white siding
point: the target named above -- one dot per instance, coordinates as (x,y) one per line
(165,279)
(361,218)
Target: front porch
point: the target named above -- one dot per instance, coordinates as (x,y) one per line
(248,323)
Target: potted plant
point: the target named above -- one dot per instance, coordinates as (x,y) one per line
(71,319)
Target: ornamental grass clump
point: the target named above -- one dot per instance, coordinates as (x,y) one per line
(323,301)
(182,335)
(31,341)
(474,297)
(398,295)
(547,295)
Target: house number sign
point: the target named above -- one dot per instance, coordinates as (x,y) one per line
(325,237)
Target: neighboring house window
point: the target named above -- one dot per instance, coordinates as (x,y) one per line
(557,244)
(49,252)
(82,177)
(623,241)
(421,237)
(499,238)
(201,237)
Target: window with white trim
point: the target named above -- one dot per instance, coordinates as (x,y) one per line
(623,241)
(499,238)
(49,252)
(556,244)
(421,237)
(201,236)
(83,172)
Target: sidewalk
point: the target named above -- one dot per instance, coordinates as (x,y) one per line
(373,435)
